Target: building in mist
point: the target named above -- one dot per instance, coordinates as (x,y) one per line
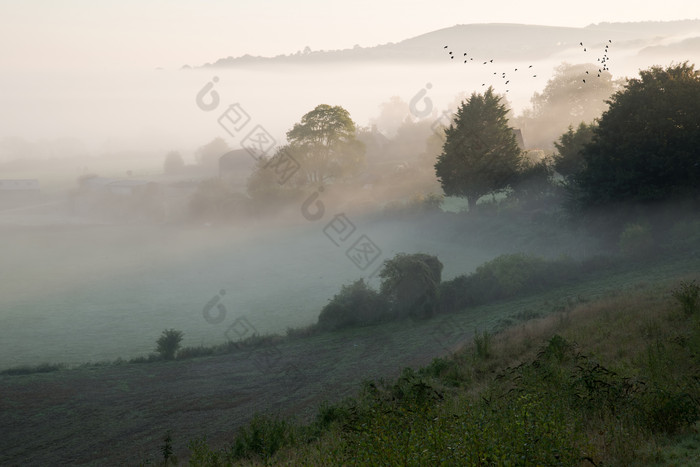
(26,186)
(115,186)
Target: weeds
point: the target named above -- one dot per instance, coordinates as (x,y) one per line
(688,296)
(482,345)
(561,403)
(166,450)
(263,437)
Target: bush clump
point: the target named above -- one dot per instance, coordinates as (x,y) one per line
(168,343)
(27,370)
(504,277)
(356,304)
(410,284)
(262,437)
(688,295)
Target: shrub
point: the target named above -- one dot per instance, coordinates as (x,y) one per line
(436,368)
(410,284)
(355,304)
(418,204)
(509,275)
(668,412)
(331,413)
(194,352)
(635,240)
(167,450)
(262,437)
(305,331)
(457,294)
(26,370)
(168,343)
(424,203)
(149,359)
(688,295)
(482,345)
(201,454)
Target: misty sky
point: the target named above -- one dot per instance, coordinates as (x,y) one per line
(70,34)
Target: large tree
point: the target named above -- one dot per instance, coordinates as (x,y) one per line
(568,160)
(575,94)
(480,154)
(645,147)
(326,140)
(209,154)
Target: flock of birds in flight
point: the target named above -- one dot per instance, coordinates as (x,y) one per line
(506,77)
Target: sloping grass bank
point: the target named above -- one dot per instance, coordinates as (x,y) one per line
(609,382)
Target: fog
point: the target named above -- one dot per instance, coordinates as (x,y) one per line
(77,287)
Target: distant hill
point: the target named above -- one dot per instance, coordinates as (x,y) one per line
(498,41)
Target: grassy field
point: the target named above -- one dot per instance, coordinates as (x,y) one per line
(610,381)
(118,413)
(75,294)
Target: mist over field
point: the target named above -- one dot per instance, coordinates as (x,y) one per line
(264,234)
(79,286)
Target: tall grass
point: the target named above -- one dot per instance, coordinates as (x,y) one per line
(614,383)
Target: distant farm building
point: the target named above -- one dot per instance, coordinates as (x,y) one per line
(19,186)
(116,186)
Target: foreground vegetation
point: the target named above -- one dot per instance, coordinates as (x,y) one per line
(609,382)
(204,395)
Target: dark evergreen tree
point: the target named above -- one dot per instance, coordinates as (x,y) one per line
(480,154)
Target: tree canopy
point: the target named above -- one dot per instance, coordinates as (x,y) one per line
(209,154)
(645,147)
(569,158)
(480,154)
(566,100)
(326,142)
(410,284)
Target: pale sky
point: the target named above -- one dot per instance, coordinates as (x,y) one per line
(70,34)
